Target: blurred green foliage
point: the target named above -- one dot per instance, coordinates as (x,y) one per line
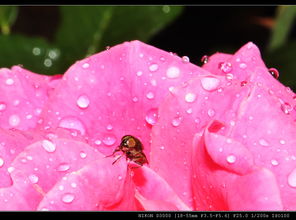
(83,30)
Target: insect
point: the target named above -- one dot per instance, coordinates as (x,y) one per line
(132,148)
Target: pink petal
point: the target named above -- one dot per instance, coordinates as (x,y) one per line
(97,186)
(23,95)
(154,193)
(116,92)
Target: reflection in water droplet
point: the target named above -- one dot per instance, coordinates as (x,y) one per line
(176,121)
(185,59)
(48,146)
(152,116)
(9,81)
(109,127)
(150,95)
(153,67)
(33,178)
(14,120)
(82,154)
(211,112)
(274,162)
(205,59)
(63,167)
(85,65)
(83,101)
(292,178)
(72,123)
(109,139)
(243,83)
(274,72)
(231,158)
(190,97)
(209,83)
(263,142)
(286,108)
(173,72)
(68,198)
(225,67)
(242,65)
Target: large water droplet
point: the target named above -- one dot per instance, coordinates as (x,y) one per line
(263,142)
(68,197)
(176,121)
(14,120)
(63,167)
(153,67)
(190,97)
(274,72)
(72,123)
(9,81)
(225,67)
(48,146)
(33,178)
(292,178)
(83,101)
(152,116)
(85,65)
(286,107)
(150,95)
(205,59)
(109,139)
(185,59)
(209,83)
(231,159)
(173,72)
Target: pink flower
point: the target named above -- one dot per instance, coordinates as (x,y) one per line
(218,137)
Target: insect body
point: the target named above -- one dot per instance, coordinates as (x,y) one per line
(132,148)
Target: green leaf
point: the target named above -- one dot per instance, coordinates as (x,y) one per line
(85,30)
(8,15)
(34,54)
(283,59)
(284,22)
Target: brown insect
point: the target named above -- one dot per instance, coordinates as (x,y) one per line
(133,150)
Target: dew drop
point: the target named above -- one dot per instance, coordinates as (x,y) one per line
(72,123)
(229,76)
(189,111)
(109,140)
(176,121)
(1,162)
(231,158)
(185,59)
(190,97)
(292,178)
(209,83)
(225,67)
(263,142)
(150,95)
(153,67)
(282,142)
(274,162)
(85,65)
(48,146)
(2,106)
(139,73)
(286,108)
(274,72)
(33,178)
(68,198)
(82,101)
(82,154)
(205,59)
(63,167)
(135,99)
(173,72)
(14,120)
(9,81)
(211,112)
(119,177)
(152,116)
(243,66)
(161,147)
(243,83)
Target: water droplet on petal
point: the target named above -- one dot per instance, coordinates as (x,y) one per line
(229,76)
(209,83)
(33,178)
(119,177)
(85,65)
(2,106)
(72,123)
(153,67)
(82,154)
(173,72)
(292,178)
(282,142)
(68,198)
(176,121)
(242,65)
(63,167)
(83,101)
(161,147)
(243,83)
(9,81)
(139,73)
(135,99)
(152,116)
(190,97)
(109,139)
(263,142)
(109,127)
(205,59)
(1,162)
(185,59)
(231,158)
(225,67)
(211,112)
(150,95)
(286,108)
(274,162)
(14,120)
(274,72)
(48,146)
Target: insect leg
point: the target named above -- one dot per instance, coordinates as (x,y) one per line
(117,149)
(117,159)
